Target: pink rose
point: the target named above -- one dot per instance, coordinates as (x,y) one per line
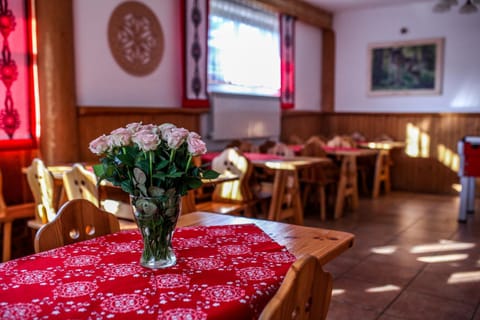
(120,137)
(175,137)
(99,145)
(164,128)
(134,127)
(146,140)
(150,127)
(195,144)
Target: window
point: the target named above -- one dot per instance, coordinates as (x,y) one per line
(244,49)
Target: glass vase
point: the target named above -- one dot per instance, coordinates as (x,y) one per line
(156,218)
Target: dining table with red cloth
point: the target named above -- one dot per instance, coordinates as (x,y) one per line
(252,156)
(222,272)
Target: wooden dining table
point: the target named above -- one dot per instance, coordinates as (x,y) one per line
(286,199)
(227,268)
(324,244)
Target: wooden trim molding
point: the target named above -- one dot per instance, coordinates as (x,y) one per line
(106,110)
(303,11)
(328,70)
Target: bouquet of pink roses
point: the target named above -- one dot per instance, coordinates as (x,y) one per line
(149,160)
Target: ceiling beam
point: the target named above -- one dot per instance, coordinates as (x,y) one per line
(303,11)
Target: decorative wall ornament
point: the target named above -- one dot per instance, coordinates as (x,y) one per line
(135,38)
(195,53)
(287,49)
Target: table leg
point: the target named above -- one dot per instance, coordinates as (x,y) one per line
(286,200)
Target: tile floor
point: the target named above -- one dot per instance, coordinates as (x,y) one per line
(411,260)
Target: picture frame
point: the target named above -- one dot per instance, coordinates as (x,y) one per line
(405,67)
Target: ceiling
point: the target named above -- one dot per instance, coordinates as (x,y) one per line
(343,5)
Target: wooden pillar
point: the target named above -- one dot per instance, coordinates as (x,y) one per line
(328,71)
(56,71)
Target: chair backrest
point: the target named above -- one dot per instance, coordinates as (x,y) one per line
(79,183)
(294,139)
(232,161)
(282,150)
(41,184)
(314,148)
(77,220)
(304,294)
(343,141)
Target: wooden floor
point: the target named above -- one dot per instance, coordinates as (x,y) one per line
(411,260)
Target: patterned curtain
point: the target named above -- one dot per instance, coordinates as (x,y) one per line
(195,53)
(287,50)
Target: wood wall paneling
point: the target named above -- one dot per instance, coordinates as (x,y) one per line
(435,172)
(94,121)
(15,186)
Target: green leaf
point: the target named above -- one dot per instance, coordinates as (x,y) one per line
(210,174)
(162,164)
(194,183)
(126,186)
(174,175)
(98,170)
(127,159)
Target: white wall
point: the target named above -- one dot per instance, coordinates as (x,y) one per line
(308,67)
(461,80)
(101,82)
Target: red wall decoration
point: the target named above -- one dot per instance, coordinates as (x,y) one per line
(17,103)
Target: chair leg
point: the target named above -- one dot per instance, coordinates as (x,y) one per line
(323,210)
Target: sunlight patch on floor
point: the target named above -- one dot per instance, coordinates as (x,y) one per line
(384,250)
(443,245)
(385,288)
(443,258)
(462,277)
(337,292)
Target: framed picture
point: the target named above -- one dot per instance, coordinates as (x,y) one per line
(405,68)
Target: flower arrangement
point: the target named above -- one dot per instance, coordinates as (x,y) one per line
(154,165)
(148,160)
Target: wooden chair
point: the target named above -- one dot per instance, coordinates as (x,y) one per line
(294,139)
(305,293)
(77,220)
(242,146)
(282,150)
(347,185)
(79,183)
(41,183)
(382,172)
(8,214)
(315,180)
(233,197)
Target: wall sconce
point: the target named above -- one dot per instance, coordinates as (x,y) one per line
(470,6)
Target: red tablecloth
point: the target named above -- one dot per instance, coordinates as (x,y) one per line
(332,149)
(223,272)
(208,157)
